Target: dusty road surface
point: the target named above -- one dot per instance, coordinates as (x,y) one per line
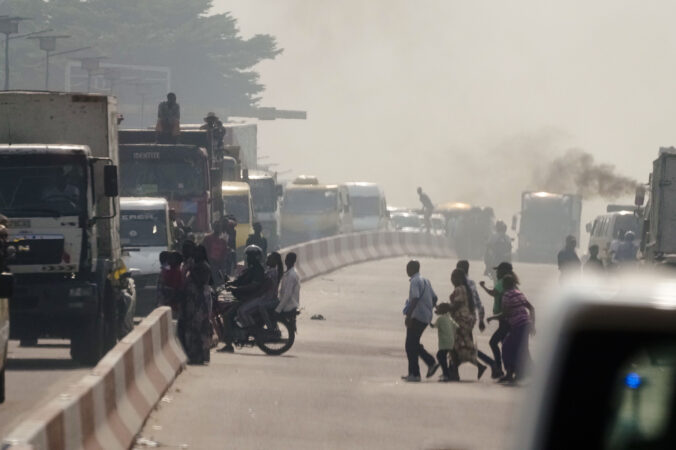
(339,386)
(36,375)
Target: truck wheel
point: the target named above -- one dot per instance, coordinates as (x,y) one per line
(87,344)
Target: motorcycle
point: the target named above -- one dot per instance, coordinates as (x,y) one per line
(273,336)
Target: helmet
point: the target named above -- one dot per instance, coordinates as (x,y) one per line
(253,254)
(629,236)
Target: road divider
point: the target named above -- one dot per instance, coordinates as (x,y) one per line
(328,254)
(107,408)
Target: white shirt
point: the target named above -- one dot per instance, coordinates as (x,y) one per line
(289,291)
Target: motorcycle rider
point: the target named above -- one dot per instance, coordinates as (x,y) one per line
(245,287)
(498,249)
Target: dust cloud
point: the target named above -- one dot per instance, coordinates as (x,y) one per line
(466,99)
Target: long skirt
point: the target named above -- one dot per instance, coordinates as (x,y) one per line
(515,351)
(198,328)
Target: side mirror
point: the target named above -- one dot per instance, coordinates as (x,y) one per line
(279,190)
(515,221)
(110,181)
(6,285)
(639,198)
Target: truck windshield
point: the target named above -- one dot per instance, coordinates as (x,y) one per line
(172,179)
(627,223)
(143,228)
(39,186)
(263,194)
(238,206)
(365,206)
(310,201)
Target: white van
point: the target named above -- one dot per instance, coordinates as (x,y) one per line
(145,232)
(607,227)
(369,207)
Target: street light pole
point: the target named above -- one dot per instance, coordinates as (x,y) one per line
(48,44)
(8,25)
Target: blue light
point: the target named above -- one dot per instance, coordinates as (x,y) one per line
(633,380)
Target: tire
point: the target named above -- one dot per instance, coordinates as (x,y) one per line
(87,346)
(277,347)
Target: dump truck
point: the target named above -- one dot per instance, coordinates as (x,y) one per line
(546,219)
(658,242)
(59,188)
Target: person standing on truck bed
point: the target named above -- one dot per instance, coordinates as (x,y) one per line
(168,120)
(428,208)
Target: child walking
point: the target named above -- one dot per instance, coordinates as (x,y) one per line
(446,327)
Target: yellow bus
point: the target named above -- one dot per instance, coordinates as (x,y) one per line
(237,202)
(311,210)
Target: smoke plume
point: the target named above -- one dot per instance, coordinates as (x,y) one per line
(577,172)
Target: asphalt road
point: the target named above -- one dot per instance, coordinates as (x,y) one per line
(34,376)
(339,386)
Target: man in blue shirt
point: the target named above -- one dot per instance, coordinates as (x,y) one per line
(418,312)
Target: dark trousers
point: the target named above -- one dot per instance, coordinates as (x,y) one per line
(442,357)
(414,348)
(496,340)
(515,349)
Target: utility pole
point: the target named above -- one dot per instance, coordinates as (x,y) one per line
(8,26)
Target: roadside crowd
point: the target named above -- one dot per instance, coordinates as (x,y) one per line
(190,282)
(455,322)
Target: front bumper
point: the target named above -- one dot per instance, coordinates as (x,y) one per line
(51,308)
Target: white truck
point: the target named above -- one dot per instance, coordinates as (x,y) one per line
(546,219)
(369,207)
(145,232)
(58,187)
(658,243)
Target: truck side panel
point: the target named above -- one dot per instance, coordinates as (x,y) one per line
(663,221)
(69,118)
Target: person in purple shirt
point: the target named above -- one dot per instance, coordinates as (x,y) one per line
(520,315)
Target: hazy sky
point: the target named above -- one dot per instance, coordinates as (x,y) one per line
(466,99)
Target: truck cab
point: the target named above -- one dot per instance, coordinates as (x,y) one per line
(369,207)
(59,188)
(546,219)
(145,232)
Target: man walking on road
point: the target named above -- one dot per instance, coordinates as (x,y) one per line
(418,312)
(569,262)
(428,208)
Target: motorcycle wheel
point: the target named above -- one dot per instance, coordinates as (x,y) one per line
(278,344)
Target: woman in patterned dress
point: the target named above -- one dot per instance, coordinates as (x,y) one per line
(462,311)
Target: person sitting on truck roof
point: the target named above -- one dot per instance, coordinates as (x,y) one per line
(168,120)
(257,238)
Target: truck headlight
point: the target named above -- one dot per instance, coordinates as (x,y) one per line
(84,291)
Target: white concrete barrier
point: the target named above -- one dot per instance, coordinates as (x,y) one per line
(328,254)
(107,408)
